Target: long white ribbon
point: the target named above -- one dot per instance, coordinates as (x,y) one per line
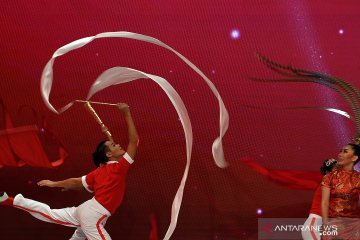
(121,75)
(47,77)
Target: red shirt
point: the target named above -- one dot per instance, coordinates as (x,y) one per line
(316,203)
(108,182)
(344,193)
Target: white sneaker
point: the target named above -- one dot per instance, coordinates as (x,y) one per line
(3,197)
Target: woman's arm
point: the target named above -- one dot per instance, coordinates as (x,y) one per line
(325,200)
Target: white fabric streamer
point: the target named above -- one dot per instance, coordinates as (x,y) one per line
(120,75)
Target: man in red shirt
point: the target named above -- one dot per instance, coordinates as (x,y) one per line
(107,182)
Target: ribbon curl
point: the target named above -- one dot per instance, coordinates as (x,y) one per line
(119,75)
(47,78)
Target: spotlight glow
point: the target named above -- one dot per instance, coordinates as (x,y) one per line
(235,34)
(259,211)
(341,31)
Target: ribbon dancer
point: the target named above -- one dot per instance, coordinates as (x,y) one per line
(107,182)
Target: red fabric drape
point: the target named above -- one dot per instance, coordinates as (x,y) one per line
(7,157)
(21,146)
(153,233)
(295,179)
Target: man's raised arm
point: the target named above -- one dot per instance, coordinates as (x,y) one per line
(133,135)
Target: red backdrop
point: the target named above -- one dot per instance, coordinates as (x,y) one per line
(218,203)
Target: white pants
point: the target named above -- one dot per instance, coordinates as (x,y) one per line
(89,218)
(311,225)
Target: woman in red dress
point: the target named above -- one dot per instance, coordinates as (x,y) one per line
(312,225)
(340,197)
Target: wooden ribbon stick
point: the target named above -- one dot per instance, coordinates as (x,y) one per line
(100,103)
(104,129)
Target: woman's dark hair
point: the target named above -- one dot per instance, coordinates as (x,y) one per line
(356,149)
(327,166)
(99,156)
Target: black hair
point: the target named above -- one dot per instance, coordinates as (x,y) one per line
(327,166)
(356,149)
(99,156)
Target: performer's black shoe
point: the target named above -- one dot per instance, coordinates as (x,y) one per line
(3,197)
